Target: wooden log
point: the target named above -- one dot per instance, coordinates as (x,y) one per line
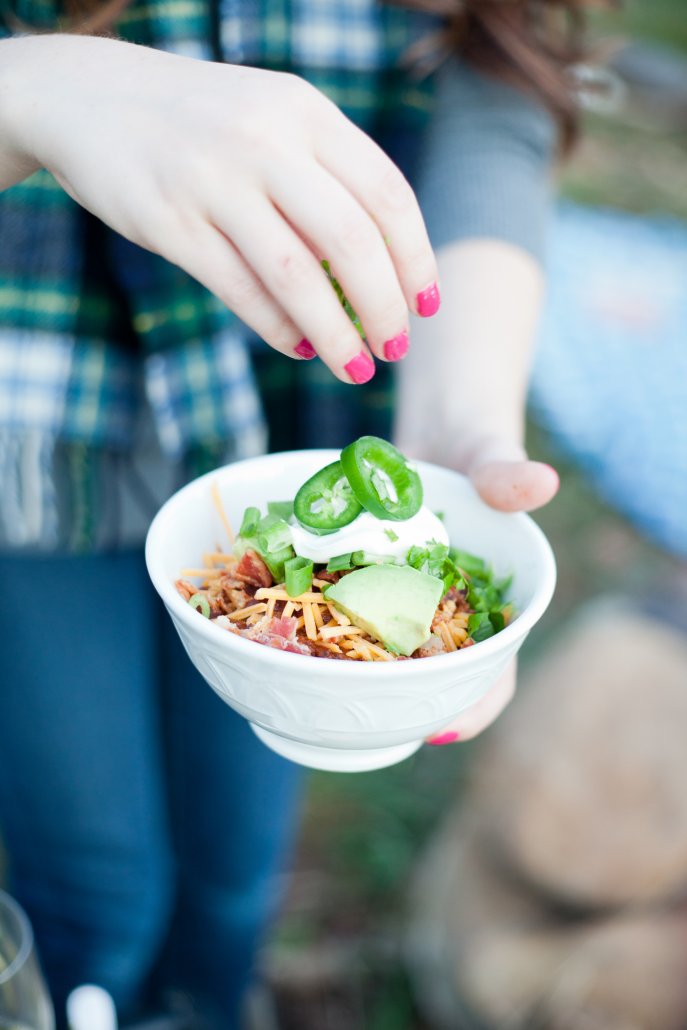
(581,786)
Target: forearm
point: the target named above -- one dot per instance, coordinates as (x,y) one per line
(485,188)
(465,377)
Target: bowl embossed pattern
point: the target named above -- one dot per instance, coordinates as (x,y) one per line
(339,715)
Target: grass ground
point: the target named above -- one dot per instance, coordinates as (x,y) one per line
(335,954)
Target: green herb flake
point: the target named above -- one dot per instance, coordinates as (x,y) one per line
(340,563)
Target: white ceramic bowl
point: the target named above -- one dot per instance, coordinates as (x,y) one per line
(338,715)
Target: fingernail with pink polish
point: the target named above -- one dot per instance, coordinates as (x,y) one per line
(305,350)
(361,368)
(397,348)
(444,738)
(428,301)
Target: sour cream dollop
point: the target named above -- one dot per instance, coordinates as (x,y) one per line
(372,535)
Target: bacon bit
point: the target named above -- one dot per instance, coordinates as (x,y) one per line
(293,647)
(252,569)
(327,577)
(282,644)
(238,598)
(283,626)
(229,582)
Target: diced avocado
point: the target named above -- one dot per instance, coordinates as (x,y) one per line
(394,604)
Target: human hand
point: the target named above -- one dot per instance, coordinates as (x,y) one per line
(506,480)
(462,399)
(244,178)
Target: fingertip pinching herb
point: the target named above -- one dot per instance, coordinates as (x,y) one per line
(345,303)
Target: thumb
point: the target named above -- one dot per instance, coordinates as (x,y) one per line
(505,479)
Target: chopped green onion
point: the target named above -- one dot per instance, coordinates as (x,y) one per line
(276,560)
(200,603)
(273,533)
(251,518)
(298,576)
(339,563)
(366,558)
(391,535)
(282,509)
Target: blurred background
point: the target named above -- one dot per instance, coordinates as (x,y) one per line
(537,877)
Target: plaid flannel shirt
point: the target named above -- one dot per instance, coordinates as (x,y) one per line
(91,325)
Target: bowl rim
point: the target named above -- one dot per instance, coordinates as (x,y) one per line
(469,656)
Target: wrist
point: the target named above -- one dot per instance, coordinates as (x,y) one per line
(35,76)
(44,83)
(17,102)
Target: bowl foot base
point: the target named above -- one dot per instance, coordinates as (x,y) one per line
(332,759)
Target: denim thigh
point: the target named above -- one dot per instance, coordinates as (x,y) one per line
(234,807)
(82,800)
(137,808)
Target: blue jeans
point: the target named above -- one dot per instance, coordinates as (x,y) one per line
(145,823)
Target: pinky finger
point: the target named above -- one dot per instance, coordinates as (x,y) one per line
(213,260)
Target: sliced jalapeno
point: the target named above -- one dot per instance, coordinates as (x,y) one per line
(382,479)
(326,501)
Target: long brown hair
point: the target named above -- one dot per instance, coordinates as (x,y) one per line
(533,44)
(92,17)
